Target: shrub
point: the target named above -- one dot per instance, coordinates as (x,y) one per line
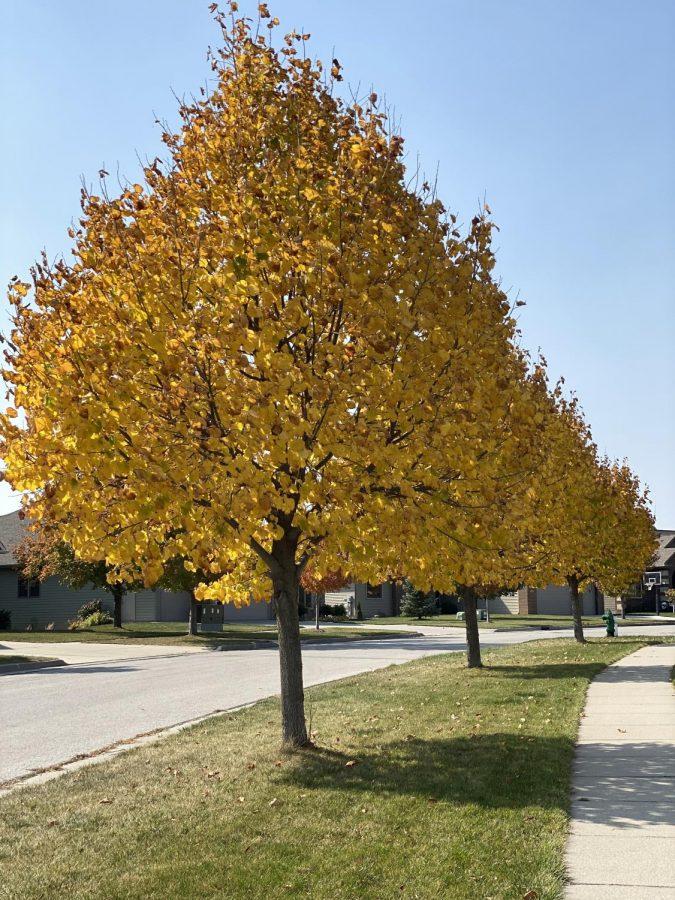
(5,620)
(96,618)
(89,608)
(359,612)
(336,609)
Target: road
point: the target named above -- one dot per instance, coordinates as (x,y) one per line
(48,717)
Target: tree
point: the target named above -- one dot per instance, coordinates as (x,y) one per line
(318,585)
(275,350)
(591,515)
(176,577)
(41,554)
(415,603)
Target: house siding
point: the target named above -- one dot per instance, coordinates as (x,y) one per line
(507,604)
(56,603)
(555,600)
(254,612)
(375,606)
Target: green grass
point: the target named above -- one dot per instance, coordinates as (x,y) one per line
(427,781)
(500,620)
(5,660)
(175,633)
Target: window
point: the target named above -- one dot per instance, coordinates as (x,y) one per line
(28,587)
(374,591)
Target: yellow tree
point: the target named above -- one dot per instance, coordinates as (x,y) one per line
(485,543)
(592,524)
(273,348)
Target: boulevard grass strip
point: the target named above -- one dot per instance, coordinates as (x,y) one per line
(428,780)
(176,633)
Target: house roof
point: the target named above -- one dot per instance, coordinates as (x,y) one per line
(12,530)
(665,555)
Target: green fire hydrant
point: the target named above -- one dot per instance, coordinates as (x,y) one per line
(610,624)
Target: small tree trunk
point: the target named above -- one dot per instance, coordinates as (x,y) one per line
(317,608)
(118,596)
(286,585)
(473,659)
(192,621)
(573,582)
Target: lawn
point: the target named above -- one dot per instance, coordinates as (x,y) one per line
(428,780)
(175,633)
(501,620)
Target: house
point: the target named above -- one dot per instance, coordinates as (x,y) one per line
(36,605)
(648,595)
(555,600)
(374,599)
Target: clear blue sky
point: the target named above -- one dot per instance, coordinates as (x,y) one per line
(562,115)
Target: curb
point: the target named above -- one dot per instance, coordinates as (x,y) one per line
(19,667)
(105,754)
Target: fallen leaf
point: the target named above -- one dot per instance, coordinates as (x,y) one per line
(352,762)
(105,800)
(531,895)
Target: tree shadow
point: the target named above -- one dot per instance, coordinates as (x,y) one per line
(492,770)
(496,771)
(546,671)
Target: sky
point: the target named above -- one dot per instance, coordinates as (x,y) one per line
(560,115)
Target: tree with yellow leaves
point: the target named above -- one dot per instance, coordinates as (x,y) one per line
(273,351)
(591,516)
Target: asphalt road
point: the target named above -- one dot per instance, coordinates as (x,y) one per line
(50,716)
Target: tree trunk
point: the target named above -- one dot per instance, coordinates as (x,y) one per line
(192,621)
(286,585)
(473,659)
(118,595)
(573,582)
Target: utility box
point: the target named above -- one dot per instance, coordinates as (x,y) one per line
(213,616)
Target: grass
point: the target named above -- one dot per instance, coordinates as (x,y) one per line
(175,633)
(499,620)
(5,660)
(428,780)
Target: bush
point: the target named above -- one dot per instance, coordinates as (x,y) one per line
(89,608)
(96,618)
(5,620)
(416,603)
(336,610)
(359,612)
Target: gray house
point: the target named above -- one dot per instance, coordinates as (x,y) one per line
(36,605)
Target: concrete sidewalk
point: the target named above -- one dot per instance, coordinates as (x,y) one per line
(622,829)
(83,652)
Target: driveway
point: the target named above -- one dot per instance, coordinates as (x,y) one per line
(50,716)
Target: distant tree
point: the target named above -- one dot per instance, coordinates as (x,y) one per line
(177,577)
(317,584)
(415,603)
(42,554)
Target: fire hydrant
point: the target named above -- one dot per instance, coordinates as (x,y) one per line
(610,624)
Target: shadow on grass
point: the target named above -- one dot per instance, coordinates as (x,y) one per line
(498,770)
(492,771)
(548,671)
